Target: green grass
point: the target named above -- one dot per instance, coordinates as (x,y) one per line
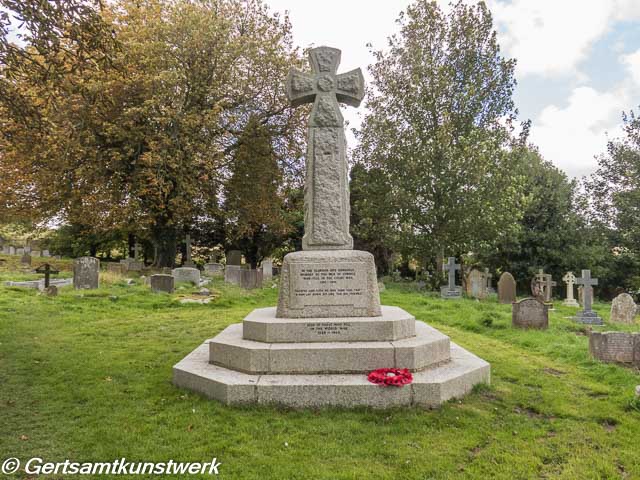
(87,376)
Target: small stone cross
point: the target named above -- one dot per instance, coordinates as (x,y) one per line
(326,201)
(48,270)
(587,282)
(570,280)
(451,266)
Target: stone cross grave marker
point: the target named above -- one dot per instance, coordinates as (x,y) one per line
(188,262)
(326,202)
(548,288)
(488,276)
(587,315)
(570,280)
(47,270)
(451,290)
(506,288)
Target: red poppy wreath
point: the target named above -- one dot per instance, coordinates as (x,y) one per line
(396,377)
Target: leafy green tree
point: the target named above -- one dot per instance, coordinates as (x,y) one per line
(439,129)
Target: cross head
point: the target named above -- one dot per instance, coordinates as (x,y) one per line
(47,270)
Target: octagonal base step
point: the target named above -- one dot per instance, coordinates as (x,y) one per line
(430,388)
(230,350)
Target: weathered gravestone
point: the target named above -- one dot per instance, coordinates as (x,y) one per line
(506,288)
(477,284)
(162,283)
(570,280)
(45,253)
(250,278)
(267,270)
(615,347)
(234,257)
(232,274)
(587,315)
(530,313)
(488,277)
(328,331)
(36,253)
(214,269)
(12,250)
(20,251)
(623,309)
(451,290)
(186,274)
(86,273)
(25,259)
(115,268)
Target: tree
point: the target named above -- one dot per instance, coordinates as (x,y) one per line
(439,130)
(146,142)
(254,196)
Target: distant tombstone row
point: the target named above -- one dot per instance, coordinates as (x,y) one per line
(12,250)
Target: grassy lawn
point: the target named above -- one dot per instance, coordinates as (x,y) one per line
(87,376)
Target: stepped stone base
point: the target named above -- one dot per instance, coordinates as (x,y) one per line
(588,318)
(430,388)
(262,325)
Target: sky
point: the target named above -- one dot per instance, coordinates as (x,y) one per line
(578,62)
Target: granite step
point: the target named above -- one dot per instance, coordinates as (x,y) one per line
(430,388)
(262,325)
(230,350)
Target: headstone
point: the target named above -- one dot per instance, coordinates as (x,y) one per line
(488,276)
(162,283)
(530,313)
(20,251)
(47,270)
(36,253)
(234,257)
(188,262)
(623,309)
(12,250)
(25,259)
(615,347)
(587,315)
(115,267)
(214,269)
(86,273)
(506,288)
(232,274)
(451,290)
(250,278)
(45,253)
(267,269)
(186,274)
(131,265)
(477,284)
(570,280)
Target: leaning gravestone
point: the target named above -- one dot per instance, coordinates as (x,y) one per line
(587,315)
(477,284)
(186,274)
(451,290)
(86,273)
(329,330)
(162,283)
(530,313)
(234,257)
(623,309)
(506,288)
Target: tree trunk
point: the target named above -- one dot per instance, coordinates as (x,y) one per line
(131,242)
(165,238)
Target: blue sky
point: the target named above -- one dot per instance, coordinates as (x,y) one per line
(578,62)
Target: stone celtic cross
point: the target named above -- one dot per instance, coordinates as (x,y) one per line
(451,266)
(570,280)
(587,282)
(326,187)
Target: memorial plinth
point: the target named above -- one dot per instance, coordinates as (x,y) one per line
(329,330)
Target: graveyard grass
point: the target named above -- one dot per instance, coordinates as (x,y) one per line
(87,376)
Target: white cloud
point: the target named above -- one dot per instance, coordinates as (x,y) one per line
(552,37)
(571,136)
(632,62)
